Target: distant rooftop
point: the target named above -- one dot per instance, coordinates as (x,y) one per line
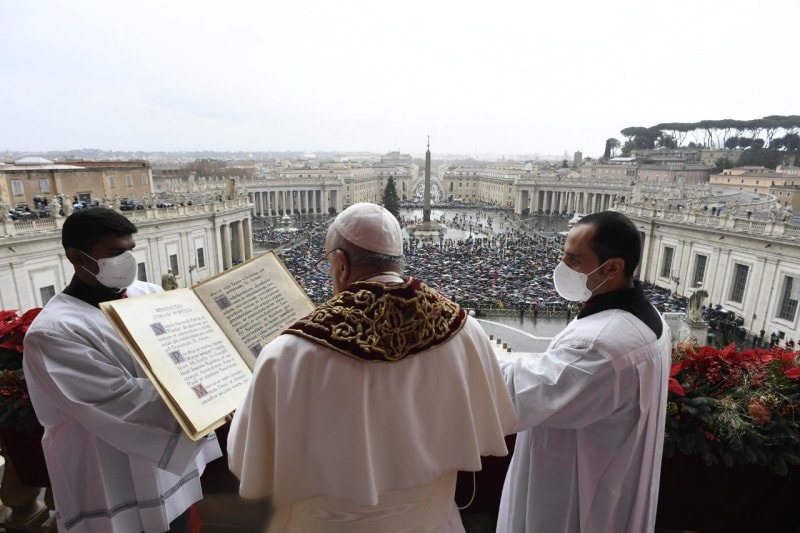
(33,161)
(37,163)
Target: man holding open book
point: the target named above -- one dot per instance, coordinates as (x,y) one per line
(117,459)
(360,415)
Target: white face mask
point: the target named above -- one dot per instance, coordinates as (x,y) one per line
(116,272)
(571,285)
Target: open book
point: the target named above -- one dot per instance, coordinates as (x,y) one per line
(199,345)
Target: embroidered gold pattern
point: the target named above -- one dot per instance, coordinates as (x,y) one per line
(376,322)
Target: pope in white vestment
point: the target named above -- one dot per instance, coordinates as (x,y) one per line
(359,418)
(117,459)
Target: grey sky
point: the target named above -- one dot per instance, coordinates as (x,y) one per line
(503,77)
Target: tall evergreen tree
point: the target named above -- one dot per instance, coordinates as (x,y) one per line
(390,199)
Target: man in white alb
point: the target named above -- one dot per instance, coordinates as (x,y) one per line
(592,408)
(117,459)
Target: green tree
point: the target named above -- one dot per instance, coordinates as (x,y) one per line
(612,145)
(643,138)
(390,199)
(627,147)
(723,163)
(761,157)
(791,141)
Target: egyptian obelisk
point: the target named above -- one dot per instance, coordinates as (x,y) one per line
(426,203)
(427,230)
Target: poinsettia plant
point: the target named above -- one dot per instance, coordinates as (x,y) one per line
(734,407)
(16,411)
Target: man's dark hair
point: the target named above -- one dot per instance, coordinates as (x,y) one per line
(84,228)
(615,235)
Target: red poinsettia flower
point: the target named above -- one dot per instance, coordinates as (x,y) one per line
(13,328)
(793,373)
(673,385)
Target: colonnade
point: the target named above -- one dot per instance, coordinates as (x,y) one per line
(563,200)
(236,239)
(294,201)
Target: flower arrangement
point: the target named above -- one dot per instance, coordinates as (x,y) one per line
(16,411)
(734,407)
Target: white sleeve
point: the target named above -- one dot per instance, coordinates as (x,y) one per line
(567,387)
(83,383)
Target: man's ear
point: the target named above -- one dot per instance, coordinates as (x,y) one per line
(615,268)
(76,257)
(342,272)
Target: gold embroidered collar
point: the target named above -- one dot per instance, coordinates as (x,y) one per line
(373,321)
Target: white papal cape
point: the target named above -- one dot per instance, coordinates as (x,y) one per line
(345,445)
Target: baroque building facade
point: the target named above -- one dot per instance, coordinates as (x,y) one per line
(748,267)
(195,242)
(31,180)
(327,187)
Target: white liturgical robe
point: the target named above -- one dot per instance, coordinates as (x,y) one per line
(117,459)
(591,413)
(343,445)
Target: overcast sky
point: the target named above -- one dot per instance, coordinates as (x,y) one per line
(528,77)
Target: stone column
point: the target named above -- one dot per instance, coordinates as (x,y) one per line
(240,240)
(247,235)
(225,237)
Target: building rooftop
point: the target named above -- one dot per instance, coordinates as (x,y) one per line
(36,163)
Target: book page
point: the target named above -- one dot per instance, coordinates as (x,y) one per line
(186,355)
(254,302)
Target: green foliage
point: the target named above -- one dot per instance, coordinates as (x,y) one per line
(627,147)
(17,412)
(642,138)
(611,145)
(391,201)
(761,157)
(722,163)
(719,132)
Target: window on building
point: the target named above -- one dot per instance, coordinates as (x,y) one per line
(46,293)
(699,270)
(144,179)
(141,272)
(666,265)
(790,293)
(112,182)
(173,264)
(16,188)
(129,180)
(739,282)
(201,258)
(44,186)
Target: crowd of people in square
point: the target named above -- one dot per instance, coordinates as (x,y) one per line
(510,270)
